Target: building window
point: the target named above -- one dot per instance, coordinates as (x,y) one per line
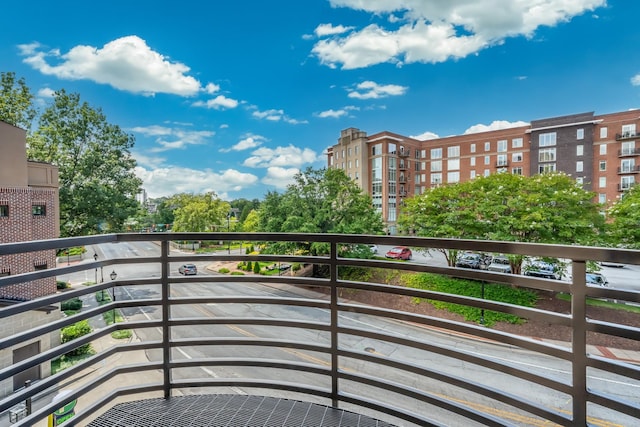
(436,153)
(487,146)
(517,171)
(6,271)
(473,148)
(603,149)
(579,150)
(453,177)
(436,178)
(516,143)
(39,265)
(579,166)
(453,151)
(487,172)
(472,174)
(356,150)
(357,163)
(628,148)
(349,164)
(517,157)
(580,134)
(603,165)
(580,180)
(39,210)
(547,139)
(547,168)
(628,130)
(453,165)
(376,150)
(436,166)
(349,151)
(392,148)
(502,160)
(502,146)
(487,160)
(602,182)
(602,198)
(472,161)
(357,175)
(627,165)
(603,132)
(547,155)
(4,210)
(626,182)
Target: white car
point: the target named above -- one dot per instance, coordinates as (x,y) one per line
(500,264)
(373,248)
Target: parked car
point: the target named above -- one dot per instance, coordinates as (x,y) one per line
(542,269)
(188,269)
(500,264)
(473,260)
(373,248)
(399,252)
(597,279)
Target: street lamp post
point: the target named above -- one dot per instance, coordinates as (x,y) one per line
(95,258)
(113,277)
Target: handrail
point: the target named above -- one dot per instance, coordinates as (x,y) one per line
(315,335)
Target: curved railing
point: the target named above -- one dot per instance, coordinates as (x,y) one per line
(308,337)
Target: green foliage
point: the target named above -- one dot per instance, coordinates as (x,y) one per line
(122,334)
(73,304)
(223,270)
(74,331)
(624,228)
(250,267)
(296,266)
(256,267)
(471,288)
(16,101)
(60,285)
(237,273)
(199,213)
(96,170)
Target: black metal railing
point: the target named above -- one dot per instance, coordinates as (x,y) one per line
(302,336)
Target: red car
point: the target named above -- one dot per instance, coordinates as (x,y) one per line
(399,252)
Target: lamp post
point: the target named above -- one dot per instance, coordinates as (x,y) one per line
(113,277)
(95,258)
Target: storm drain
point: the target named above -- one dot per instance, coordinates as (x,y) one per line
(231,411)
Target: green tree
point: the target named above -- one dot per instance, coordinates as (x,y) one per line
(16,101)
(199,213)
(624,228)
(320,201)
(97,180)
(547,208)
(251,222)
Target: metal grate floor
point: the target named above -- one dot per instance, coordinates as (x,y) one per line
(230,411)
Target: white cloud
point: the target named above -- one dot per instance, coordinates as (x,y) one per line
(635,80)
(280,177)
(46,93)
(246,143)
(334,114)
(173,138)
(126,64)
(274,115)
(211,88)
(324,30)
(495,125)
(437,30)
(425,136)
(290,156)
(372,90)
(218,103)
(169,180)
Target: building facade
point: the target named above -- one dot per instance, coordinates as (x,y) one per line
(598,151)
(28,211)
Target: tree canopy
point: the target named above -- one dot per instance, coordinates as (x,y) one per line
(16,101)
(624,228)
(320,201)
(97,181)
(546,208)
(199,213)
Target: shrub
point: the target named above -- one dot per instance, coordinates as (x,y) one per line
(60,285)
(73,304)
(223,270)
(241,265)
(249,266)
(296,266)
(237,273)
(74,331)
(256,268)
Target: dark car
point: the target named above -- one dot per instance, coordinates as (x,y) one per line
(472,260)
(542,269)
(399,252)
(188,269)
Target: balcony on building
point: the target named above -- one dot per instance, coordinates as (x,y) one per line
(402,165)
(404,152)
(628,170)
(624,136)
(629,152)
(625,187)
(295,346)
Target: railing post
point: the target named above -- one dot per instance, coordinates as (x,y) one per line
(579,341)
(166,332)
(334,323)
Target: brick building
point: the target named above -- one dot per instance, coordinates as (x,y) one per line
(28,211)
(598,151)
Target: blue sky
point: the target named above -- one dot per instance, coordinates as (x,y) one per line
(237,96)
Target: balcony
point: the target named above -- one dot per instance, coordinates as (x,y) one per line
(404,153)
(628,170)
(284,349)
(627,135)
(629,152)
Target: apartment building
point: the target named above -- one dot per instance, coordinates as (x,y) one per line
(598,151)
(28,211)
